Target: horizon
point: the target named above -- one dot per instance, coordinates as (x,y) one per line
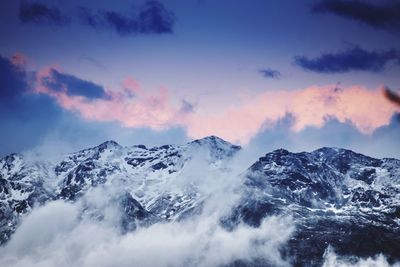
(250,152)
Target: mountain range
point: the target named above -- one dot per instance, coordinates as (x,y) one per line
(335,198)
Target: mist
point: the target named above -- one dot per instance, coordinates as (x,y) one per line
(382,143)
(65,234)
(88,232)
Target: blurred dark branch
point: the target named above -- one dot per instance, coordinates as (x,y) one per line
(392,96)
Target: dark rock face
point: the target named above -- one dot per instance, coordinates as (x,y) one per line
(348,237)
(133,214)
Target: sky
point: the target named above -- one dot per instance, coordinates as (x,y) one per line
(262,74)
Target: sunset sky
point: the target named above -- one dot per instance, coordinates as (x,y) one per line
(266,74)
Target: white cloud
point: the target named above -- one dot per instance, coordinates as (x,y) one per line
(54,236)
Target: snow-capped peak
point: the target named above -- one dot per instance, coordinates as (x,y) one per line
(217,147)
(108,144)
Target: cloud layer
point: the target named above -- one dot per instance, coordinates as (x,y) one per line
(382,15)
(151,18)
(39,13)
(271,73)
(132,106)
(72,85)
(353,59)
(38,102)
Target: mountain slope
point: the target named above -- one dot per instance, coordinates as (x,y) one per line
(336,197)
(149,176)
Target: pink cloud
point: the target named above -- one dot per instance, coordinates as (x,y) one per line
(311,107)
(132,87)
(132,106)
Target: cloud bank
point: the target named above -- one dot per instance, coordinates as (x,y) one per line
(271,73)
(73,86)
(132,106)
(353,59)
(383,142)
(39,13)
(39,101)
(150,18)
(382,15)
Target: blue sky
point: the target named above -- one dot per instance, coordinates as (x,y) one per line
(215,56)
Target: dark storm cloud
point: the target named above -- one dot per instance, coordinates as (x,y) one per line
(385,15)
(38,13)
(270,73)
(25,116)
(353,59)
(73,85)
(151,18)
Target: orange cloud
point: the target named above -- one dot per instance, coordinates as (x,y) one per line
(134,107)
